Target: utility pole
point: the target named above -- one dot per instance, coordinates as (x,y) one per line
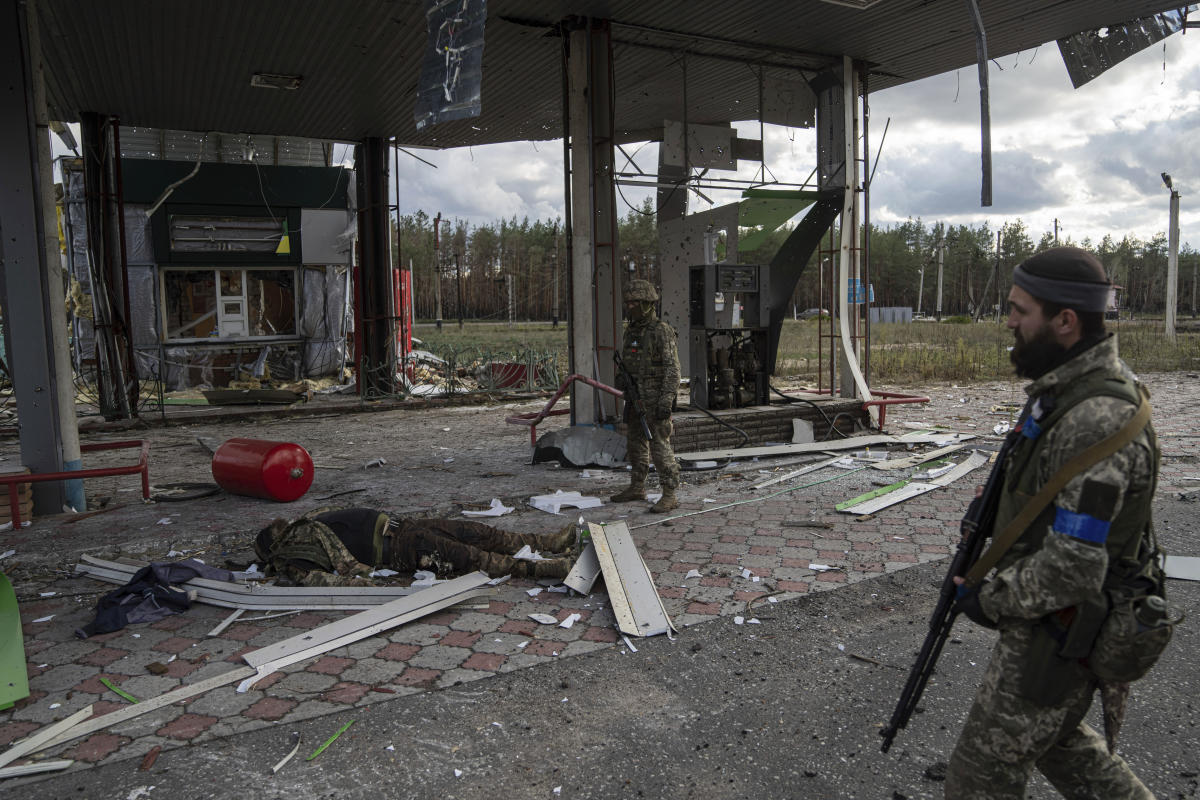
(1172,261)
(437,270)
(512,304)
(941,252)
(921,284)
(1056,231)
(458,286)
(996,275)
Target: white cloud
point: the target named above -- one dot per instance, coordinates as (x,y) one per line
(1089,157)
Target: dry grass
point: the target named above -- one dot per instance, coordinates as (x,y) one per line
(900,353)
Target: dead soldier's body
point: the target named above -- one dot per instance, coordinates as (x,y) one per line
(337,547)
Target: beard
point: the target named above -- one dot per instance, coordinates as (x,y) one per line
(1034,357)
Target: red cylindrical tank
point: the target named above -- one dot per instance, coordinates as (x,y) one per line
(256,468)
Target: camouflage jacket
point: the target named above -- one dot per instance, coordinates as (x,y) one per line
(308,553)
(1063,558)
(651,355)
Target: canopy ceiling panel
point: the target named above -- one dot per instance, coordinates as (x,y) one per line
(187,66)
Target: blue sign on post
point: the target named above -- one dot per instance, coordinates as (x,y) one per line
(857,293)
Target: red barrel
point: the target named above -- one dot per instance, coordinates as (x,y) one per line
(256,468)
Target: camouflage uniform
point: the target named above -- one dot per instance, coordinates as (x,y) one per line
(650,354)
(1030,707)
(308,552)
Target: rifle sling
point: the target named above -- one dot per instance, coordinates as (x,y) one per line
(1093,455)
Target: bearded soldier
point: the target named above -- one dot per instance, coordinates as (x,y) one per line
(651,359)
(1096,533)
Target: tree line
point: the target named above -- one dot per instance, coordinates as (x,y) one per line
(518,267)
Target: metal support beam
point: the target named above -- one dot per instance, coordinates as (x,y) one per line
(377,362)
(31,292)
(595,301)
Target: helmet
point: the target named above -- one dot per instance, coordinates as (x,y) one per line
(639,289)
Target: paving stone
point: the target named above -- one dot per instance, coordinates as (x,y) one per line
(372,671)
(271,708)
(64,677)
(440,658)
(224,701)
(455,677)
(330,665)
(480,621)
(187,726)
(66,652)
(95,747)
(346,692)
(418,677)
(305,682)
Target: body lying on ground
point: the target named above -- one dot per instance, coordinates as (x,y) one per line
(335,547)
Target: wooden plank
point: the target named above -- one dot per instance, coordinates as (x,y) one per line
(631,591)
(35,741)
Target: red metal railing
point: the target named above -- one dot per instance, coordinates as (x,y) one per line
(13,481)
(532,418)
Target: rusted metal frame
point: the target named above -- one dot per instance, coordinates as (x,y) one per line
(13,481)
(532,418)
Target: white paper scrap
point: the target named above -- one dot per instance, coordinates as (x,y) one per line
(523,645)
(380,573)
(739,620)
(558,589)
(544,619)
(534,592)
(458,773)
(692,573)
(497,509)
(44,619)
(747,574)
(47,594)
(820,567)
(164,521)
(554,503)
(629,644)
(527,553)
(753,621)
(570,620)
(424,577)
(391,747)
(7,553)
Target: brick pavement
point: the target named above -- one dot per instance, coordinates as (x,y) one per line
(748,551)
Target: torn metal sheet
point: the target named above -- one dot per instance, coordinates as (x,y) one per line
(920,458)
(256,597)
(225,623)
(907,490)
(1183,568)
(128,712)
(36,741)
(794,474)
(268,659)
(583,575)
(35,768)
(635,600)
(851,443)
(1088,54)
(581,446)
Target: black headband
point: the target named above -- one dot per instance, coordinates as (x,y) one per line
(1079,295)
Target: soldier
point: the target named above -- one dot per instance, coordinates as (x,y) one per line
(332,547)
(652,360)
(1030,707)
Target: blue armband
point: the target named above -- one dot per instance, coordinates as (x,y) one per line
(1080,526)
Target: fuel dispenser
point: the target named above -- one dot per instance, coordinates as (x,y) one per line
(727,337)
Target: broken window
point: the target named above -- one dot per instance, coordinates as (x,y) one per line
(191,233)
(228,303)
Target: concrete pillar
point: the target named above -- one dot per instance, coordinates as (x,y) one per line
(32,291)
(595,301)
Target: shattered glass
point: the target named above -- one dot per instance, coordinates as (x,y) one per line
(452,66)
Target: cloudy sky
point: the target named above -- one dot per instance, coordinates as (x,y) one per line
(1090,157)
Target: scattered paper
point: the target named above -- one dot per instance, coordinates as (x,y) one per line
(629,644)
(820,567)
(570,620)
(534,592)
(544,619)
(747,574)
(553,503)
(527,553)
(379,573)
(55,705)
(7,553)
(753,621)
(772,599)
(739,620)
(175,553)
(8,526)
(522,645)
(375,462)
(424,577)
(692,573)
(47,594)
(495,510)
(164,521)
(458,773)
(44,619)
(391,747)
(1002,428)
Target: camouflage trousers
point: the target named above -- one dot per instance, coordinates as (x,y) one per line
(638,453)
(448,545)
(1006,735)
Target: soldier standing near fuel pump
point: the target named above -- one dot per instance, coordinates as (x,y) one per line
(651,373)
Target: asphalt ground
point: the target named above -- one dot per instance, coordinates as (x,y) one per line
(456,706)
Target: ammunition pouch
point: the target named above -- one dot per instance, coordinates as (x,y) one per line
(1137,629)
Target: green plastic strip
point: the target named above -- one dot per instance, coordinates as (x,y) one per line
(871,495)
(14,673)
(120,691)
(329,741)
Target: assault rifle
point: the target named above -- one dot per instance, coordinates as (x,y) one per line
(976,526)
(632,396)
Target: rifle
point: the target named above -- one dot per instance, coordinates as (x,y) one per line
(632,395)
(976,526)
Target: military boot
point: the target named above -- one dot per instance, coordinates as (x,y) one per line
(635,492)
(666,503)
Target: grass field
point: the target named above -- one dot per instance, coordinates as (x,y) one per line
(900,353)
